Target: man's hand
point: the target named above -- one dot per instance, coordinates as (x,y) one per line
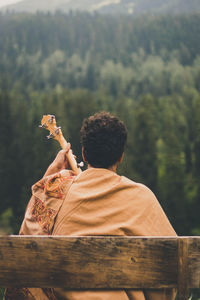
(59,163)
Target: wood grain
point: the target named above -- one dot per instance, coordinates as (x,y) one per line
(194,262)
(183,273)
(100,262)
(88,262)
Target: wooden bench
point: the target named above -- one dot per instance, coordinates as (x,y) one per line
(101,262)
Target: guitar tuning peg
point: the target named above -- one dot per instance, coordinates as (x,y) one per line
(57,130)
(52,117)
(43,126)
(51,136)
(81,164)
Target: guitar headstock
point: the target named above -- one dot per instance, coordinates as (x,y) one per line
(48,122)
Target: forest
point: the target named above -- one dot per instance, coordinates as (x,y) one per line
(145,70)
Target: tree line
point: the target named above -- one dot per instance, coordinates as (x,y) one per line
(145,70)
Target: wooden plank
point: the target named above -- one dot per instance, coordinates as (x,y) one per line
(194,262)
(88,262)
(183,271)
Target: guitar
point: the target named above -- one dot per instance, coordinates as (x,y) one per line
(49,122)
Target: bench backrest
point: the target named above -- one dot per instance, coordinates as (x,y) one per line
(100,262)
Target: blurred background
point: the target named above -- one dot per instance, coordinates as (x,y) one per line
(138,59)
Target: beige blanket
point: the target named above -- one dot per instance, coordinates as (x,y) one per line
(96,202)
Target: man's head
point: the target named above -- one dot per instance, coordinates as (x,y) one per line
(103,138)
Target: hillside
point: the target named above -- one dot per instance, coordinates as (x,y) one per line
(135,7)
(145,70)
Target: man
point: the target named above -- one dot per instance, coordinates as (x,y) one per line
(96,202)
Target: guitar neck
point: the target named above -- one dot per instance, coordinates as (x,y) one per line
(49,122)
(70,156)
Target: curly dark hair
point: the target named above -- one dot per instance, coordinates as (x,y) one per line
(103,138)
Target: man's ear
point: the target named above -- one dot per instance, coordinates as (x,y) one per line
(83,155)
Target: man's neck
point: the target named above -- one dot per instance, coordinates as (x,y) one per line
(112,168)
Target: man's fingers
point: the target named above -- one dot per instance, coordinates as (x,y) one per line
(64,151)
(68,147)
